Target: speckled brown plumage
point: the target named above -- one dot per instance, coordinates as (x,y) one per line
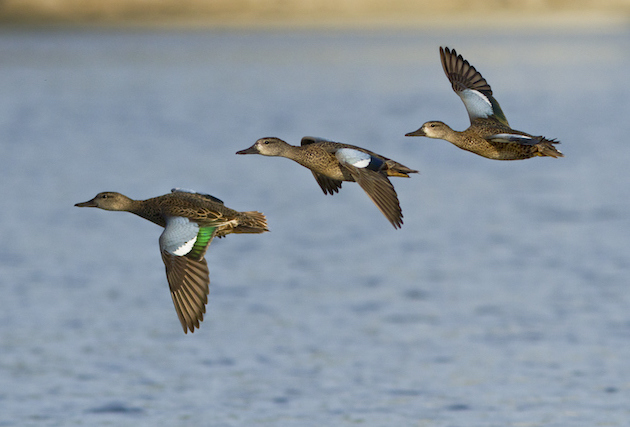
(489,134)
(319,156)
(187,272)
(201,208)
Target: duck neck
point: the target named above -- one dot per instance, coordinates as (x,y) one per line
(293,153)
(147,209)
(454,137)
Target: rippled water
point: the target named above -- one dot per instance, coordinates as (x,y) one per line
(503,301)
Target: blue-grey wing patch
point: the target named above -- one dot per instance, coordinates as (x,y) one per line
(179,236)
(358,159)
(481,105)
(477,104)
(471,87)
(182,190)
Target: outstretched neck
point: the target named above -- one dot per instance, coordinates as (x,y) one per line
(451,135)
(291,152)
(297,154)
(148,209)
(454,137)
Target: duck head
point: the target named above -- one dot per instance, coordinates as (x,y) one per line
(433,129)
(109,201)
(267,147)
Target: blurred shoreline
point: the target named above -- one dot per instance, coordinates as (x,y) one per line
(317,13)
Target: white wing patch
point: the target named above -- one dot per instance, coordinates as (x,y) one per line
(477,104)
(356,158)
(179,236)
(185,248)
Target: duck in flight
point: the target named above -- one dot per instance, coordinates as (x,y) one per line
(190,220)
(332,163)
(489,134)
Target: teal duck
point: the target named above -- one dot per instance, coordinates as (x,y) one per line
(489,134)
(332,163)
(190,220)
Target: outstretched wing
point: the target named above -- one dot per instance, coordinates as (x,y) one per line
(471,87)
(328,185)
(183,245)
(366,171)
(189,282)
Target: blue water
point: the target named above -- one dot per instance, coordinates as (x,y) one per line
(503,300)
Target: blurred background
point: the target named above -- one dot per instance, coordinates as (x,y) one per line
(502,301)
(310,12)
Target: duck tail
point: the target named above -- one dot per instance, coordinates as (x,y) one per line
(396,169)
(546,149)
(251,222)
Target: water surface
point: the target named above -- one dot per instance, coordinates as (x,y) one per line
(502,301)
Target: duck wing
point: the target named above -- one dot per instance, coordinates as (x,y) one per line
(306,140)
(203,195)
(366,171)
(515,138)
(328,185)
(183,244)
(471,87)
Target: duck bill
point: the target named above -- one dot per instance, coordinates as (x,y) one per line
(250,150)
(88,204)
(419,132)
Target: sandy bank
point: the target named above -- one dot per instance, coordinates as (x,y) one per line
(316,13)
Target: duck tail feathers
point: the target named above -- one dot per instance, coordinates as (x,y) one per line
(251,222)
(546,148)
(396,169)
